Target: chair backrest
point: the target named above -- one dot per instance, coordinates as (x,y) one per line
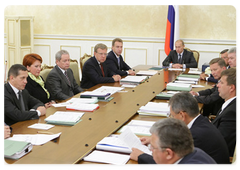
(196,54)
(84,59)
(75,69)
(45,71)
(234,159)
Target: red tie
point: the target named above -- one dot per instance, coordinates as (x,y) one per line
(102,70)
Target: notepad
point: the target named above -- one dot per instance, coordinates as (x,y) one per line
(146,73)
(179,87)
(133,80)
(83,107)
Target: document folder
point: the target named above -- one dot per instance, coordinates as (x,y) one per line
(16,149)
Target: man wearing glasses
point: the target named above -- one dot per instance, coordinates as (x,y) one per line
(95,70)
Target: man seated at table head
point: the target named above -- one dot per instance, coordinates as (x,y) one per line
(207,74)
(172,143)
(180,57)
(60,81)
(184,107)
(225,120)
(19,105)
(115,61)
(232,57)
(210,97)
(95,70)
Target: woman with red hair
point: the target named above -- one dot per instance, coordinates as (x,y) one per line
(35,83)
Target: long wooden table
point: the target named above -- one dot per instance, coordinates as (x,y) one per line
(78,140)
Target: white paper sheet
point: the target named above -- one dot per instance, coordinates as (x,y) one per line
(36,139)
(107,157)
(41,126)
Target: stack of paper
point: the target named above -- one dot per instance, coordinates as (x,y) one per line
(146,73)
(179,87)
(83,107)
(139,127)
(194,71)
(165,95)
(154,109)
(107,157)
(188,77)
(76,101)
(64,118)
(133,80)
(113,143)
(98,95)
(16,149)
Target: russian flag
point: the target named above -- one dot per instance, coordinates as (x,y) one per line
(172,30)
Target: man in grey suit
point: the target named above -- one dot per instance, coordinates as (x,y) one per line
(180,58)
(60,81)
(19,105)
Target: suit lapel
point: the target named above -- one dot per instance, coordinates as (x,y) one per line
(95,62)
(13,95)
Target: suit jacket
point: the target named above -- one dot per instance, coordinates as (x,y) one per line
(196,157)
(187,59)
(112,64)
(210,140)
(211,100)
(12,108)
(207,138)
(58,85)
(37,91)
(226,124)
(92,74)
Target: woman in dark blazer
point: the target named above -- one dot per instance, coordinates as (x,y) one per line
(35,83)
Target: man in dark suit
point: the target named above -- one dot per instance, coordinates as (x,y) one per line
(210,97)
(172,143)
(225,120)
(180,58)
(115,61)
(19,105)
(95,71)
(209,77)
(60,81)
(184,107)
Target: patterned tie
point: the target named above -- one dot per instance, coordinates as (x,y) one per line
(180,59)
(67,77)
(102,70)
(20,98)
(118,58)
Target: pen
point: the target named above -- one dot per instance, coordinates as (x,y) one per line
(45,132)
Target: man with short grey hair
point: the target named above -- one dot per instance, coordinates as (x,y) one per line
(60,81)
(95,71)
(232,57)
(171,143)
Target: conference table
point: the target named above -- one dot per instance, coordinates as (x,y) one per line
(77,141)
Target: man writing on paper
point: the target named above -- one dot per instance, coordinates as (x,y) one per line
(60,81)
(184,107)
(172,143)
(19,105)
(115,61)
(180,58)
(95,70)
(210,97)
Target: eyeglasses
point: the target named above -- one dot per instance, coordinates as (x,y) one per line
(105,54)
